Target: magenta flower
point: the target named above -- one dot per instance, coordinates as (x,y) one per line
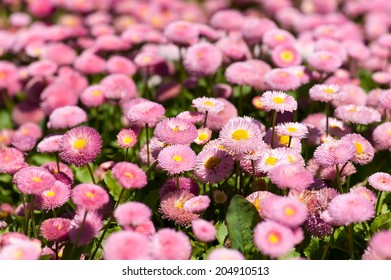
(176,159)
(285,56)
(202,59)
(379,246)
(278,101)
(204,230)
(93,96)
(168,244)
(185,184)
(50,144)
(292,176)
(21,250)
(357,114)
(146,112)
(89,196)
(56,196)
(127,245)
(282,79)
(380,181)
(80,146)
(364,150)
(129,175)
(91,227)
(33,180)
(208,104)
(225,254)
(326,93)
(197,204)
(66,117)
(325,61)
(11,160)
(176,131)
(334,152)
(132,213)
(126,138)
(181,33)
(55,229)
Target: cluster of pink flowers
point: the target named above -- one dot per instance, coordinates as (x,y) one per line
(132,127)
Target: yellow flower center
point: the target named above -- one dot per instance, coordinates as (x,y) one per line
(325,56)
(176,128)
(200,54)
(18,254)
(209,103)
(329,90)
(96,93)
(289,211)
(147,59)
(203,137)
(359,148)
(212,162)
(59,227)
(283,140)
(2,75)
(240,134)
(292,129)
(36,179)
(278,100)
(257,204)
(127,139)
(79,143)
(274,237)
(49,193)
(179,204)
(271,161)
(279,37)
(177,158)
(129,175)
(286,56)
(90,195)
(291,159)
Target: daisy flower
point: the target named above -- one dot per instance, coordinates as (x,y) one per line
(66,117)
(278,101)
(357,114)
(208,104)
(282,79)
(240,135)
(285,56)
(274,239)
(176,131)
(21,250)
(382,136)
(197,204)
(129,175)
(325,61)
(56,196)
(204,135)
(55,229)
(326,93)
(145,113)
(334,152)
(80,146)
(132,213)
(50,144)
(11,160)
(202,59)
(89,229)
(225,254)
(365,193)
(93,96)
(181,33)
(292,129)
(380,181)
(292,176)
(256,199)
(168,244)
(185,184)
(127,245)
(379,247)
(213,165)
(33,180)
(126,138)
(364,150)
(203,230)
(276,37)
(89,196)
(176,159)
(270,159)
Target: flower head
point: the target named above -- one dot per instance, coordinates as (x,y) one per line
(176,131)
(176,159)
(33,180)
(202,59)
(364,150)
(49,144)
(56,196)
(282,79)
(55,229)
(278,101)
(168,244)
(146,112)
(197,204)
(82,236)
(326,93)
(129,175)
(379,246)
(126,138)
(208,104)
(132,213)
(380,181)
(89,196)
(80,145)
(66,117)
(357,114)
(11,160)
(225,254)
(204,230)
(325,61)
(291,176)
(334,152)
(127,245)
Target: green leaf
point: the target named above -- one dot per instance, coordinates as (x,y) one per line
(152,199)
(5,120)
(381,222)
(221,232)
(241,219)
(115,188)
(291,255)
(82,175)
(314,250)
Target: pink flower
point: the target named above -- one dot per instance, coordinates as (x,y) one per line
(325,61)
(197,204)
(21,250)
(56,196)
(257,198)
(51,52)
(80,146)
(146,112)
(347,209)
(225,254)
(129,175)
(56,95)
(379,246)
(181,33)
(89,196)
(127,245)
(380,181)
(208,104)
(33,180)
(213,165)
(126,138)
(66,117)
(326,93)
(89,63)
(204,230)
(275,240)
(185,184)
(168,244)
(176,131)
(119,87)
(55,229)
(172,208)
(285,210)
(382,136)
(278,101)
(132,213)
(176,159)
(202,59)
(24,143)
(228,20)
(49,144)
(11,160)
(148,58)
(334,152)
(120,65)
(285,56)
(291,176)
(204,135)
(240,135)
(216,121)
(254,29)
(364,150)
(93,96)
(357,114)
(276,37)
(282,79)
(365,193)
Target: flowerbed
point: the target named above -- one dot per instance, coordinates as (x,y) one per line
(195,130)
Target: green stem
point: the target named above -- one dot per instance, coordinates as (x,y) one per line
(378,208)
(206,117)
(350,240)
(326,250)
(273,127)
(91,173)
(58,162)
(126,154)
(32,216)
(26,215)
